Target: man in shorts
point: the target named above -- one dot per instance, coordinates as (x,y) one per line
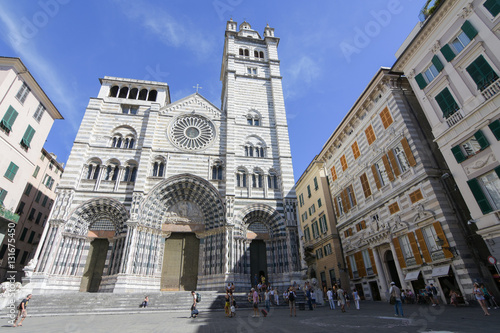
(291,301)
(255,298)
(21,310)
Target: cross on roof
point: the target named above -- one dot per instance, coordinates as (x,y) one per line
(197,87)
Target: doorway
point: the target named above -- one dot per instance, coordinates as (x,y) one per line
(258,258)
(448,283)
(94,267)
(180,262)
(375,291)
(393,271)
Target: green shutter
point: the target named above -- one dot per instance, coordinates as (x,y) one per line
(421,81)
(495,128)
(437,63)
(459,155)
(493,6)
(478,193)
(469,30)
(3,194)
(448,53)
(28,135)
(446,102)
(9,118)
(11,171)
(481,139)
(481,72)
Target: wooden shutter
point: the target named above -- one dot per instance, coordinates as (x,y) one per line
(481,139)
(478,193)
(423,246)
(386,117)
(365,185)
(360,263)
(394,163)
(355,150)
(388,168)
(495,128)
(345,199)
(363,224)
(421,81)
(440,234)
(414,248)
(334,173)
(353,195)
(358,227)
(349,267)
(337,212)
(493,6)
(469,30)
(448,53)
(375,176)
(481,72)
(408,152)
(372,259)
(437,63)
(399,253)
(446,102)
(458,153)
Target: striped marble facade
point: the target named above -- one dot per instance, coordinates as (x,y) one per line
(143,167)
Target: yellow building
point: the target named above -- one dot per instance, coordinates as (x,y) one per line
(322,249)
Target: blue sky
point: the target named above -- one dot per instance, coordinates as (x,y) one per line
(329,51)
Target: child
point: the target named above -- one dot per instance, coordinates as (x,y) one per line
(233,309)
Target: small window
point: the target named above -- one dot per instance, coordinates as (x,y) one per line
(343,162)
(493,6)
(38,196)
(128,109)
(39,112)
(355,150)
(28,189)
(460,42)
(370,134)
(123,92)
(23,93)
(416,196)
(430,73)
(8,119)
(393,208)
(27,137)
(3,194)
(252,70)
(11,171)
(446,103)
(386,117)
(23,234)
(151,97)
(35,173)
(113,92)
(241,178)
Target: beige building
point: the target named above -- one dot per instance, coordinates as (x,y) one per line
(26,117)
(322,249)
(452,61)
(392,206)
(33,209)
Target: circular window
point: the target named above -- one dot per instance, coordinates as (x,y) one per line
(191,132)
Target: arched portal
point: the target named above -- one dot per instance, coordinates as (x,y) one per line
(391,267)
(190,213)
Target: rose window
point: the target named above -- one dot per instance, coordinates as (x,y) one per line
(192,132)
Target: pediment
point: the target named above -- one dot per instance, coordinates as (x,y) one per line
(194,103)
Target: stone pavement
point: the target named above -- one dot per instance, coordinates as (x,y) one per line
(373,317)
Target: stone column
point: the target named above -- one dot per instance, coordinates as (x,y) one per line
(398,268)
(381,273)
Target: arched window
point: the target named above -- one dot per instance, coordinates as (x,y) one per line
(143,94)
(261,152)
(89,171)
(241,52)
(126,143)
(217,171)
(247,53)
(113,91)
(130,173)
(133,93)
(257,179)
(241,178)
(256,54)
(133,174)
(123,92)
(158,169)
(152,95)
(131,143)
(261,54)
(272,180)
(253,119)
(96,172)
(119,143)
(126,175)
(109,173)
(249,151)
(113,144)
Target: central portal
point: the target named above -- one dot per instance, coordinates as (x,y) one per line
(258,259)
(180,262)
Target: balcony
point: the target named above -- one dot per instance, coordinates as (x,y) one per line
(491,90)
(454,118)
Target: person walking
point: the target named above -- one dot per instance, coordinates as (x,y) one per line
(21,310)
(395,292)
(267,300)
(487,296)
(331,301)
(435,299)
(194,311)
(313,298)
(227,304)
(341,298)
(291,301)
(356,297)
(480,298)
(255,299)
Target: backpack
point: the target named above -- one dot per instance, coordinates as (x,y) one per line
(198,298)
(291,296)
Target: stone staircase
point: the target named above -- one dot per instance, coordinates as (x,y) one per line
(109,303)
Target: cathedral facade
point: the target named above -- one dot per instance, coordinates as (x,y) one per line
(160,195)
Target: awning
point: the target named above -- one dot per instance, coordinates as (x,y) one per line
(440,271)
(412,276)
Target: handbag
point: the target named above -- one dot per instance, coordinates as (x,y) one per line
(392,300)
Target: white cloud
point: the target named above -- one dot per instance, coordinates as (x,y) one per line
(170,30)
(299,74)
(15,34)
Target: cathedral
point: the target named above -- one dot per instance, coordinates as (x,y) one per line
(160,195)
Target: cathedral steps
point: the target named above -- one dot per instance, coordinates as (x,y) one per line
(108,303)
